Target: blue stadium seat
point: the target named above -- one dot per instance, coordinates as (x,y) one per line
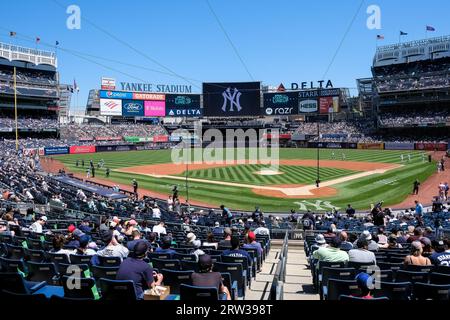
(192,293)
(109,261)
(236,272)
(86,288)
(42,272)
(166,264)
(426,291)
(117,290)
(337,287)
(175,278)
(394,290)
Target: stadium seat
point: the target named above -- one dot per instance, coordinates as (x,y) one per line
(439,278)
(236,272)
(359,265)
(12,265)
(216,258)
(109,261)
(334,273)
(192,293)
(34,244)
(390,266)
(99,272)
(14,282)
(85,288)
(156,255)
(411,276)
(117,290)
(189,265)
(393,290)
(166,264)
(42,272)
(175,278)
(247,269)
(35,255)
(15,252)
(442,269)
(418,268)
(337,287)
(80,259)
(63,269)
(185,257)
(426,291)
(23,298)
(58,258)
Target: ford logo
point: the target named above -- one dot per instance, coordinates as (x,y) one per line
(130,107)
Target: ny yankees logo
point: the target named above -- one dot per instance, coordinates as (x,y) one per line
(233,98)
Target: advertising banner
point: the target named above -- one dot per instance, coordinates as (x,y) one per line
(115,95)
(131,139)
(115,148)
(185,113)
(371,146)
(326,103)
(149,96)
(108,138)
(332,145)
(298,137)
(280,103)
(432,146)
(232,99)
(108,83)
(308,106)
(110,107)
(56,150)
(155,108)
(82,149)
(399,146)
(182,101)
(161,139)
(132,108)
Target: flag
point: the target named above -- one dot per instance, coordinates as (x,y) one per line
(75,86)
(12,33)
(57,43)
(403,33)
(38,39)
(380,37)
(430,28)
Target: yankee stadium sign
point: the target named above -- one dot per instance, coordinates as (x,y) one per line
(150,87)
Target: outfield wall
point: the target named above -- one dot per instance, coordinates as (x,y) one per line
(313,145)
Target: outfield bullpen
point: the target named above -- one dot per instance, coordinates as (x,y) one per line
(364,177)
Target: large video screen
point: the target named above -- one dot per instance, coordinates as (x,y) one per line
(280,103)
(233,99)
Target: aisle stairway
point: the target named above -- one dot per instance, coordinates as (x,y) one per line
(298,285)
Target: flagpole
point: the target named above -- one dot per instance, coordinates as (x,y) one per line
(15,110)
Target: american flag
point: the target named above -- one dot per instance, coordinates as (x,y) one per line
(380,37)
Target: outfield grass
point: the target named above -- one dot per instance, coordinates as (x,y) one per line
(392,187)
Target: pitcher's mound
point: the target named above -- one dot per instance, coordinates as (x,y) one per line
(268,172)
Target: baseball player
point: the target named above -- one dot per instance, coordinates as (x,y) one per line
(343,156)
(401,157)
(409,157)
(332,155)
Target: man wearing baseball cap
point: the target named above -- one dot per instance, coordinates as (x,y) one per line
(38,225)
(252,243)
(207,278)
(134,268)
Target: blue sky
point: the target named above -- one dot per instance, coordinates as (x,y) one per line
(279,41)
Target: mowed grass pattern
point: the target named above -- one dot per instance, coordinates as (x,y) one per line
(392,187)
(248,174)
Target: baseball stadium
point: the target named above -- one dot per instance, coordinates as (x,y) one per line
(219,185)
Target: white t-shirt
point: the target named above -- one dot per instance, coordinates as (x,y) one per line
(156,213)
(159,230)
(262,231)
(36,227)
(114,251)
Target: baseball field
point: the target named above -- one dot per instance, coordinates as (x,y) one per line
(359,177)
